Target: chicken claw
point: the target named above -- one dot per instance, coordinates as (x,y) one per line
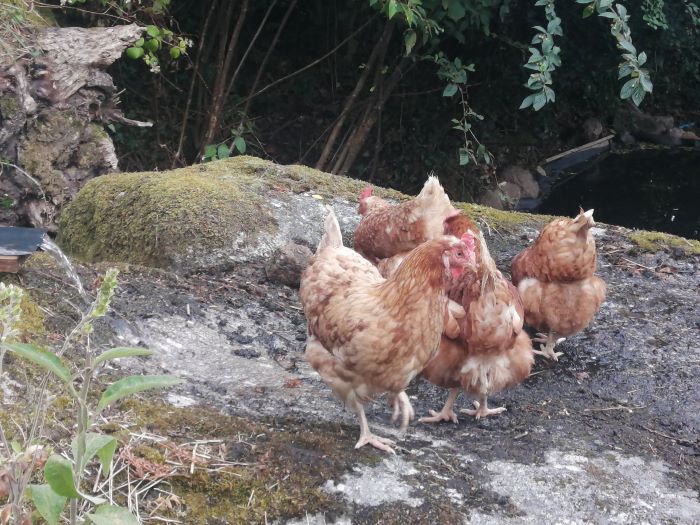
(482,410)
(402,405)
(447,413)
(547,349)
(376,441)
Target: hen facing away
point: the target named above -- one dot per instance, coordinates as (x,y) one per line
(369,335)
(555,279)
(387,230)
(491,352)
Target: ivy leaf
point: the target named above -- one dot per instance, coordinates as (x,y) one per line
(450,90)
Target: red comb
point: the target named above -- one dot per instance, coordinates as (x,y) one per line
(367,192)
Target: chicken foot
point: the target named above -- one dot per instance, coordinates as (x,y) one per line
(402,405)
(366,437)
(482,409)
(547,348)
(447,413)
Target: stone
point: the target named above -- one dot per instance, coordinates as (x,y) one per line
(287,263)
(511,190)
(524,179)
(592,129)
(491,198)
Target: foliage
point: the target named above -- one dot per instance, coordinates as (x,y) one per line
(78,379)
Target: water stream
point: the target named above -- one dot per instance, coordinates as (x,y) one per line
(52,248)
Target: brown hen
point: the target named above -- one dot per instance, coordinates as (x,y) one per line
(555,279)
(491,352)
(368,335)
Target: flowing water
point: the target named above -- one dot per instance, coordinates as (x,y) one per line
(52,248)
(651,189)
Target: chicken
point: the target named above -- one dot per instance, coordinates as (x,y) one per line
(369,335)
(386,230)
(455,224)
(491,352)
(555,279)
(369,202)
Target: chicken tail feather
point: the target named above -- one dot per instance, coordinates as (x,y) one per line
(332,237)
(584,220)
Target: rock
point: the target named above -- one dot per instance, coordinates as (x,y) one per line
(511,190)
(207,217)
(658,129)
(287,263)
(524,179)
(592,129)
(627,139)
(492,198)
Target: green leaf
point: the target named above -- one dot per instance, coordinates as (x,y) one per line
(223,151)
(588,10)
(409,40)
(49,504)
(152,45)
(456,11)
(122,351)
(131,385)
(139,42)
(391,9)
(646,83)
(58,473)
(450,90)
(628,88)
(463,156)
(43,358)
(638,95)
(95,444)
(134,52)
(641,59)
(152,31)
(175,52)
(209,151)
(625,70)
(112,515)
(527,102)
(539,102)
(627,45)
(239,144)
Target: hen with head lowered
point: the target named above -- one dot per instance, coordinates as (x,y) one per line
(555,279)
(491,351)
(368,335)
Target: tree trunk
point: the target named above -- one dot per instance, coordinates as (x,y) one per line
(379,49)
(54,107)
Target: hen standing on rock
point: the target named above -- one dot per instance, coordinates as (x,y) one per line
(555,279)
(492,351)
(387,230)
(368,335)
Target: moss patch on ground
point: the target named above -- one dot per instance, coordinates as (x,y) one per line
(656,241)
(278,466)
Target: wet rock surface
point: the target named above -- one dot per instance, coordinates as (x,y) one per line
(607,434)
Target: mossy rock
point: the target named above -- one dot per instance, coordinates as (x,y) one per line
(656,241)
(195,218)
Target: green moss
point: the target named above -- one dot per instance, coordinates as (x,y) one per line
(31,325)
(656,241)
(505,220)
(283,465)
(152,218)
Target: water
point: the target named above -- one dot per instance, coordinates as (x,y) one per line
(651,189)
(52,248)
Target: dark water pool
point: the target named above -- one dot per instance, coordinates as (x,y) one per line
(653,189)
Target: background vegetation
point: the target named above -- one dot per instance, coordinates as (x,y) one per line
(386,90)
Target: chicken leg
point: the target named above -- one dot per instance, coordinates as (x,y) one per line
(482,409)
(547,349)
(402,405)
(447,413)
(366,437)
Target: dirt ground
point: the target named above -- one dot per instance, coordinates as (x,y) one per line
(609,434)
